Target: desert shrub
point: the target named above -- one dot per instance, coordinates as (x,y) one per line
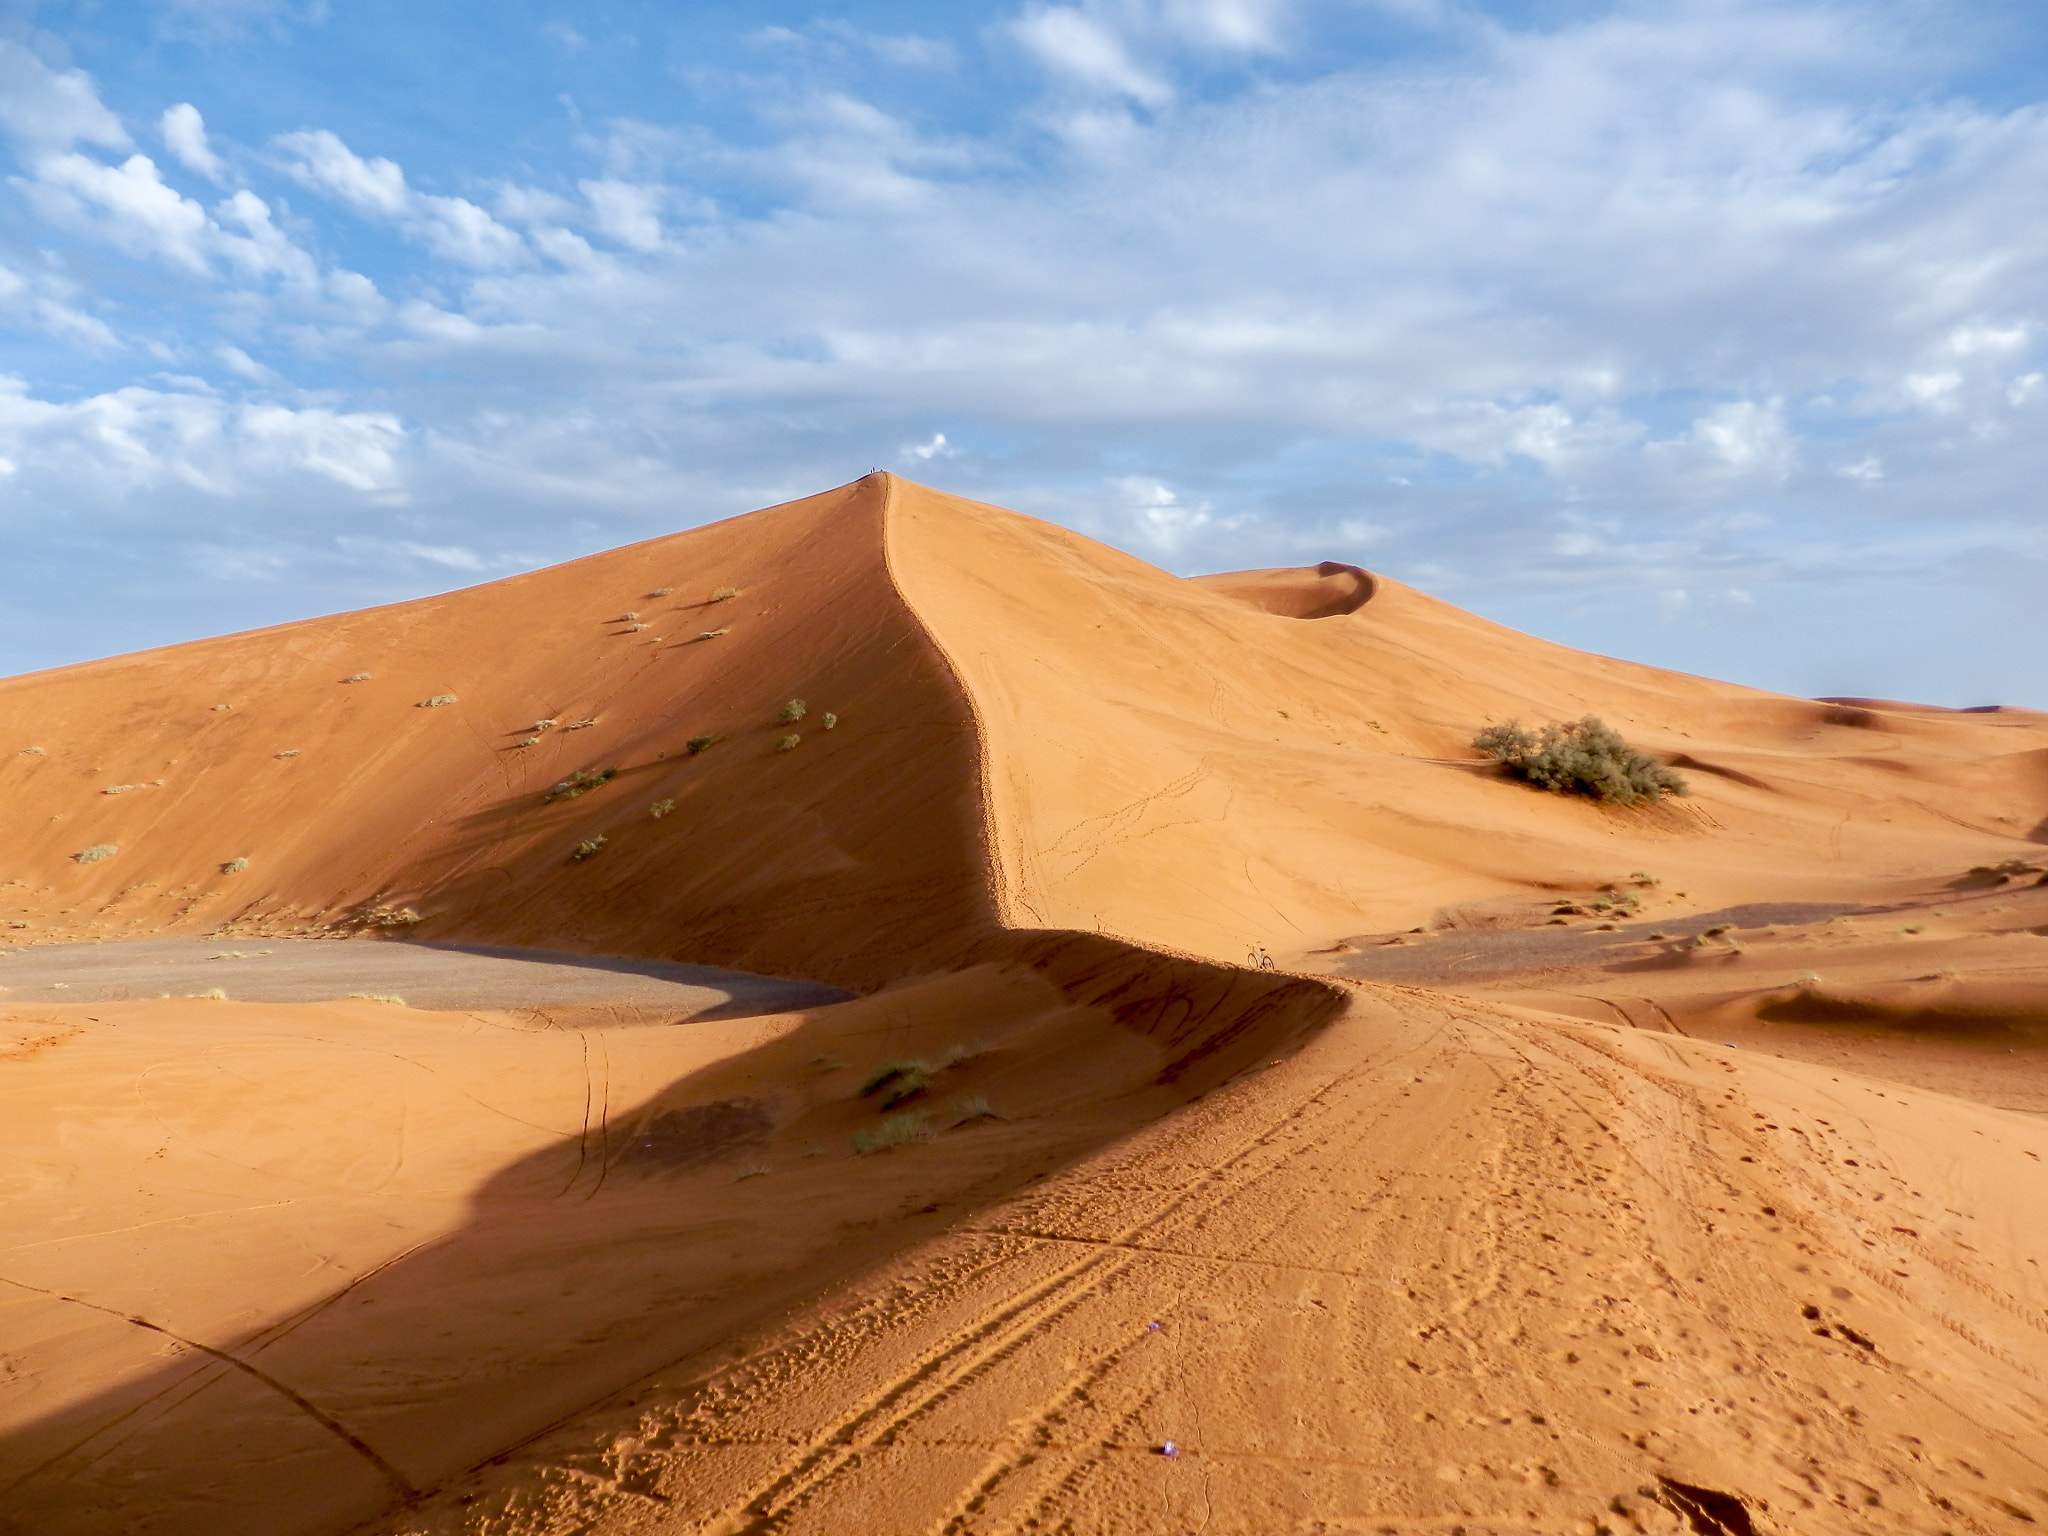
(32,752)
(792,712)
(661,808)
(788,743)
(581,725)
(634,629)
(628,616)
(438,701)
(379,997)
(589,849)
(828,720)
(357,677)
(898,1082)
(217,994)
(1579,757)
(234,866)
(894,1131)
(698,744)
(95,853)
(724,594)
(661,592)
(971,1108)
(581,782)
(119,789)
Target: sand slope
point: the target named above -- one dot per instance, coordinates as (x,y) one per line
(1420,1257)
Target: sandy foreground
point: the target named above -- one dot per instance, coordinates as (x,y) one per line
(902,1131)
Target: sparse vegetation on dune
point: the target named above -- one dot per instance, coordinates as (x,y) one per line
(789,743)
(724,594)
(661,808)
(581,782)
(792,712)
(438,701)
(590,848)
(895,1131)
(95,853)
(1579,757)
(698,744)
(234,866)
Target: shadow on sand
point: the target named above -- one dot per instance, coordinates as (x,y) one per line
(662,1238)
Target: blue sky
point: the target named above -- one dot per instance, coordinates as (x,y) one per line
(1711,333)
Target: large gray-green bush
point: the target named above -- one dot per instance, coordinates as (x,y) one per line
(1579,757)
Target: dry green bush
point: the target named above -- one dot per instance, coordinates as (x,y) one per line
(1579,757)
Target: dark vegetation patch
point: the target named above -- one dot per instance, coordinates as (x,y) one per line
(1579,757)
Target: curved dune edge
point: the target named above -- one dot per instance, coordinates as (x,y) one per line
(1326,591)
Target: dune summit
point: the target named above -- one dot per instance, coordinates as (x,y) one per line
(1257,1112)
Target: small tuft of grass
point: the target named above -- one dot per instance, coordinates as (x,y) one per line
(894,1131)
(379,997)
(357,677)
(792,712)
(234,866)
(1579,757)
(753,1171)
(541,725)
(289,752)
(215,993)
(219,707)
(627,617)
(95,853)
(789,743)
(724,594)
(828,1064)
(581,782)
(531,741)
(713,634)
(633,629)
(1913,928)
(898,1082)
(581,725)
(590,848)
(828,720)
(119,789)
(661,808)
(32,752)
(438,701)
(698,744)
(972,1108)
(661,592)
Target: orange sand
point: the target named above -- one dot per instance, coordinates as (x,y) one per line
(1537,1247)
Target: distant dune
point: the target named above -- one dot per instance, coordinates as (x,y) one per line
(1259,1114)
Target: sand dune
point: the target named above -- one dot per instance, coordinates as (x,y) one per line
(1578,1168)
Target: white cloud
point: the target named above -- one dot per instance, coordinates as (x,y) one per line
(1088,53)
(37,302)
(42,108)
(184,135)
(451,227)
(936,448)
(630,214)
(113,449)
